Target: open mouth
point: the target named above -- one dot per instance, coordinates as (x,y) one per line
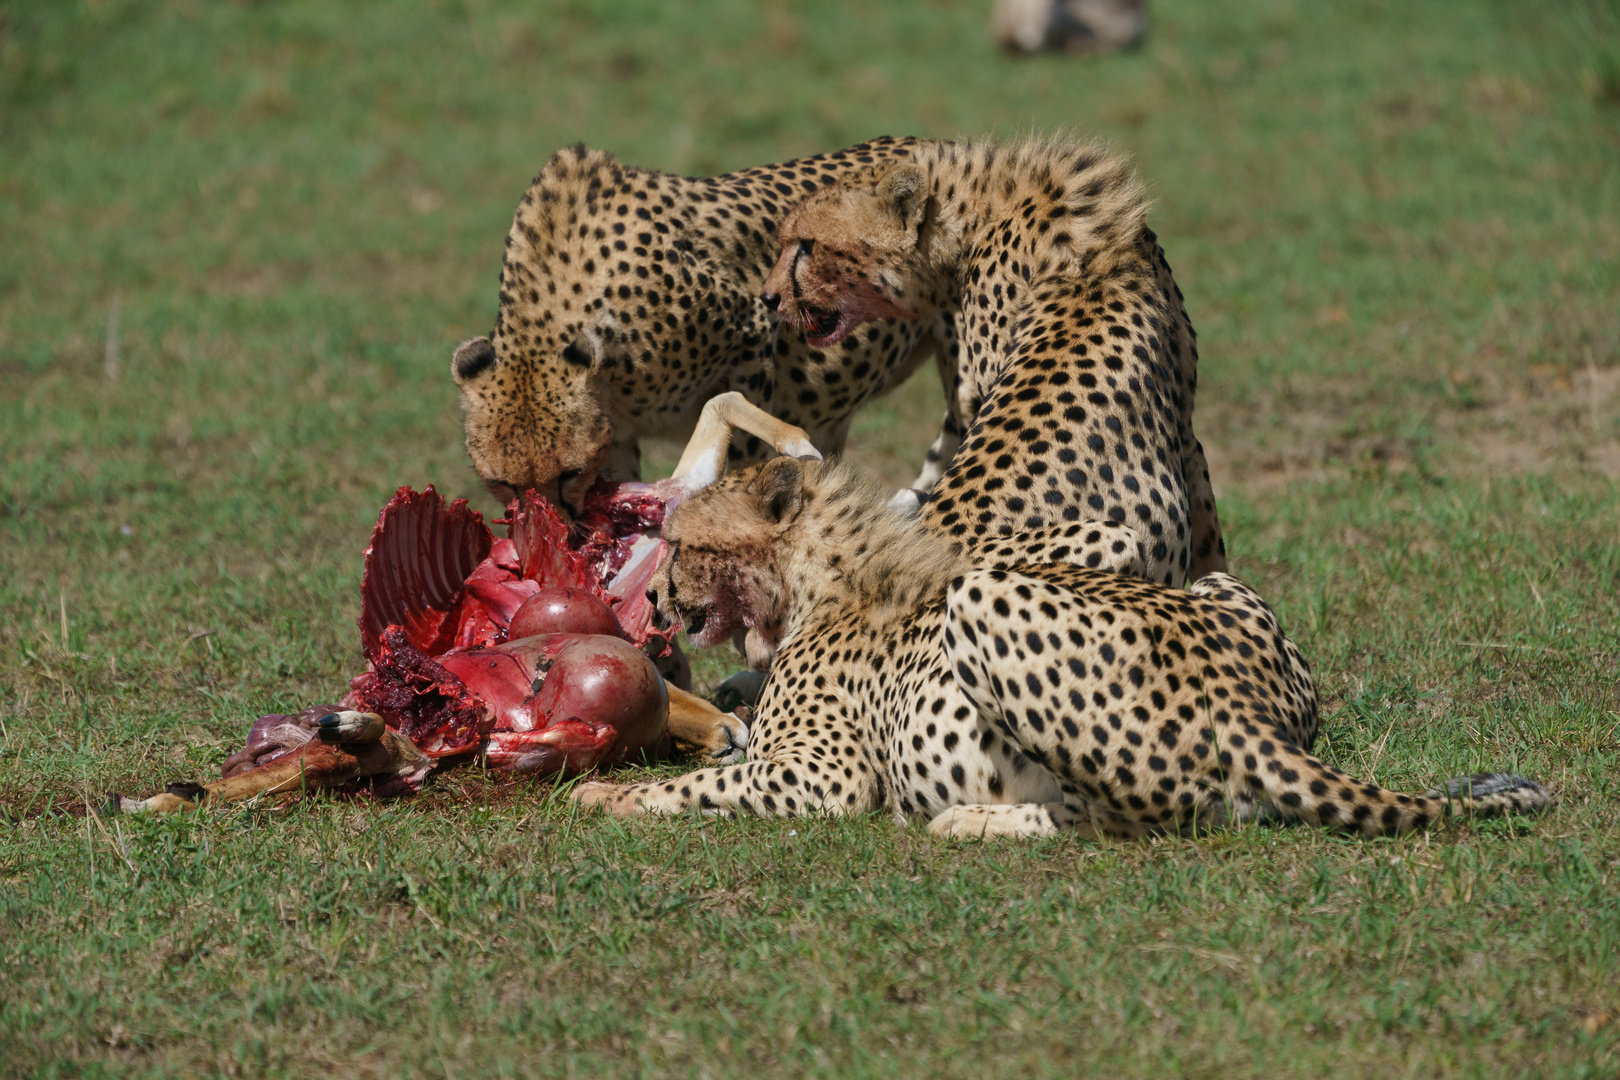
(694,621)
(821,325)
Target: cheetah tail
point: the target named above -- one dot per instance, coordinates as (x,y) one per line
(1493,794)
(1299,786)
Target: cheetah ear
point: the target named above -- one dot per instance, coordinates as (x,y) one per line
(471,359)
(780,486)
(904,190)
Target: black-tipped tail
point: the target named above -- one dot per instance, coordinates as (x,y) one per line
(1297,785)
(1488,794)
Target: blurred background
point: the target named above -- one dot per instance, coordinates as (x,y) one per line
(238,242)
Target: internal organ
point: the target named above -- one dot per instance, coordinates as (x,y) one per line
(438,599)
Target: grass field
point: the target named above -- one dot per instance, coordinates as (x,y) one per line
(237,243)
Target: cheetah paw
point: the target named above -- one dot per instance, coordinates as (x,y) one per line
(598,793)
(960,823)
(984,822)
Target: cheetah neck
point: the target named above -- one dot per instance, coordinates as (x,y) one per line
(1050,204)
(849,551)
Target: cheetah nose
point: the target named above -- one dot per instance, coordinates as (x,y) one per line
(652,597)
(772,300)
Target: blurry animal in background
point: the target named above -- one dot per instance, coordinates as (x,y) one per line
(629,298)
(1072,26)
(1074,365)
(1014,686)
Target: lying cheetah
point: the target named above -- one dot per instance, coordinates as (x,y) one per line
(1016,686)
(1076,364)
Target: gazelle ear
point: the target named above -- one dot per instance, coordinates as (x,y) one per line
(780,488)
(904,190)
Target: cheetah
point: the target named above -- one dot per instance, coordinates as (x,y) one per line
(1014,686)
(629,298)
(1074,364)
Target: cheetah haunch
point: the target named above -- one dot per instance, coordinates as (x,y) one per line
(1017,686)
(1074,361)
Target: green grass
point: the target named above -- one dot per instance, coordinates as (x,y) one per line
(1398,229)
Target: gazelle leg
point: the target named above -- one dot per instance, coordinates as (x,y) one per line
(704,458)
(696,726)
(699,728)
(347,745)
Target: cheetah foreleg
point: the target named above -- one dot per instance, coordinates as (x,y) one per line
(909,500)
(765,788)
(1206,546)
(1092,545)
(938,457)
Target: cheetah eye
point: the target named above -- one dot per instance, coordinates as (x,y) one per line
(806,246)
(576,355)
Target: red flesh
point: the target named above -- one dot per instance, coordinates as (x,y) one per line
(423,700)
(608,680)
(421,553)
(442,670)
(559,609)
(553,702)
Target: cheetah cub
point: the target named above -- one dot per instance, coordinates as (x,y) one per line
(1013,688)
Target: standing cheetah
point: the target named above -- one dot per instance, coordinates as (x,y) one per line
(629,298)
(1014,686)
(1075,362)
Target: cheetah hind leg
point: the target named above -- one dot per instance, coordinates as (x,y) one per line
(909,500)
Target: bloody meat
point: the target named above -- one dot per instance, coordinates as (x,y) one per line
(438,598)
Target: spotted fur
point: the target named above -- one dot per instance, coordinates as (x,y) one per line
(629,298)
(1075,365)
(1016,686)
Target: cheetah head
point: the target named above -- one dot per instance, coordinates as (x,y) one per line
(533,421)
(852,252)
(599,303)
(722,576)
